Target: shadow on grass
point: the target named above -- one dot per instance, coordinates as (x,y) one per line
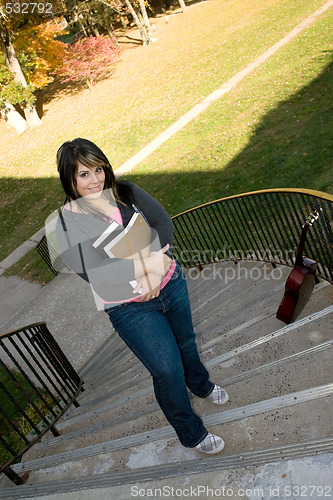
(131,40)
(58,89)
(292,145)
(25,204)
(168,7)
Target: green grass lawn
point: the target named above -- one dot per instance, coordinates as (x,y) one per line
(7,431)
(272,130)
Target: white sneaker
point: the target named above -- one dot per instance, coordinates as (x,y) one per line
(211,444)
(218,395)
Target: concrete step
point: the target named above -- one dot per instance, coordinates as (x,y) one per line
(264,472)
(249,387)
(91,398)
(246,426)
(223,367)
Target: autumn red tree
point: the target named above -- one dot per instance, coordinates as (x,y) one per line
(88,60)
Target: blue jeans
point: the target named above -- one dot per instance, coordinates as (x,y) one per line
(160,333)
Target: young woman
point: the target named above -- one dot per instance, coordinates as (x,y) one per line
(146,297)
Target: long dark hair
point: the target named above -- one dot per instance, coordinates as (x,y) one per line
(83,151)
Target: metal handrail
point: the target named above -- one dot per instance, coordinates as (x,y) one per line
(53,260)
(260,225)
(35,363)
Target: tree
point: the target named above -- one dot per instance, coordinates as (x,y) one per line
(105,19)
(92,17)
(143,35)
(12,93)
(88,60)
(14,67)
(182,5)
(138,11)
(30,53)
(39,53)
(150,36)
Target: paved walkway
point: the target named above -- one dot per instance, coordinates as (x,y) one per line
(14,293)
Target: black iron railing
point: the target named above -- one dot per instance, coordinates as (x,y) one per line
(38,383)
(53,260)
(262,225)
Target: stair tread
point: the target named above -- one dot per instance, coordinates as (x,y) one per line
(173,469)
(235,414)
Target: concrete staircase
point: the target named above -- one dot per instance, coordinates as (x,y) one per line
(279,379)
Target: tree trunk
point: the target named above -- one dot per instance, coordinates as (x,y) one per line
(150,35)
(77,18)
(182,5)
(14,67)
(92,25)
(123,22)
(137,22)
(139,14)
(83,27)
(14,118)
(111,33)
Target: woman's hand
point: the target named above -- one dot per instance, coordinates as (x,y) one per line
(149,285)
(157,263)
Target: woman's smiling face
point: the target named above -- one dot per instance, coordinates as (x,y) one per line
(90,181)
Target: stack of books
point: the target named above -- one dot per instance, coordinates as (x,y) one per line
(133,241)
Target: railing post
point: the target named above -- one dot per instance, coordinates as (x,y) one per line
(14,477)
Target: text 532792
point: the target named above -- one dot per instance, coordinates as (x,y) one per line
(28,8)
